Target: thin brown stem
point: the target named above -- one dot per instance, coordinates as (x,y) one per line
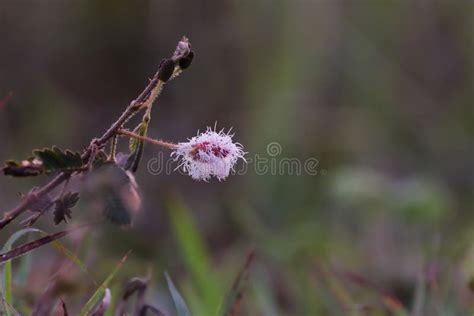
(32,197)
(183,52)
(147,139)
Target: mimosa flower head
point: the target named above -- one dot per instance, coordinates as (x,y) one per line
(209,154)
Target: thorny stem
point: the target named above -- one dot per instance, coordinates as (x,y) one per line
(181,59)
(147,139)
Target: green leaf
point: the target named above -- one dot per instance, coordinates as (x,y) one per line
(136,147)
(141,130)
(100,292)
(181,308)
(55,159)
(195,255)
(7,269)
(45,160)
(24,267)
(63,207)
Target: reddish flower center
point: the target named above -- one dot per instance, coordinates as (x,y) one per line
(209,148)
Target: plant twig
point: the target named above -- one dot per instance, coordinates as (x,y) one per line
(30,246)
(147,139)
(168,69)
(30,221)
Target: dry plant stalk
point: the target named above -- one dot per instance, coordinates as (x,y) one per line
(168,69)
(209,154)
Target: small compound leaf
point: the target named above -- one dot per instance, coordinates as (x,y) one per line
(63,207)
(136,147)
(141,130)
(25,168)
(133,160)
(55,159)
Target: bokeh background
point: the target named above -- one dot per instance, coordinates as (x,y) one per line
(380,93)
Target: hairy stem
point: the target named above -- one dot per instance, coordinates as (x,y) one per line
(147,139)
(113,148)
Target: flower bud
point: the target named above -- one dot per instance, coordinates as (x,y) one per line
(166,69)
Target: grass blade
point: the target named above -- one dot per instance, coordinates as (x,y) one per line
(24,267)
(17,252)
(100,292)
(7,274)
(195,254)
(391,302)
(25,248)
(9,309)
(233,299)
(181,308)
(7,270)
(72,257)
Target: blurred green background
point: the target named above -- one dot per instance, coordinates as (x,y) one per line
(379,93)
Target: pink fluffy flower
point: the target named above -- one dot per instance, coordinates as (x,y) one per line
(209,154)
